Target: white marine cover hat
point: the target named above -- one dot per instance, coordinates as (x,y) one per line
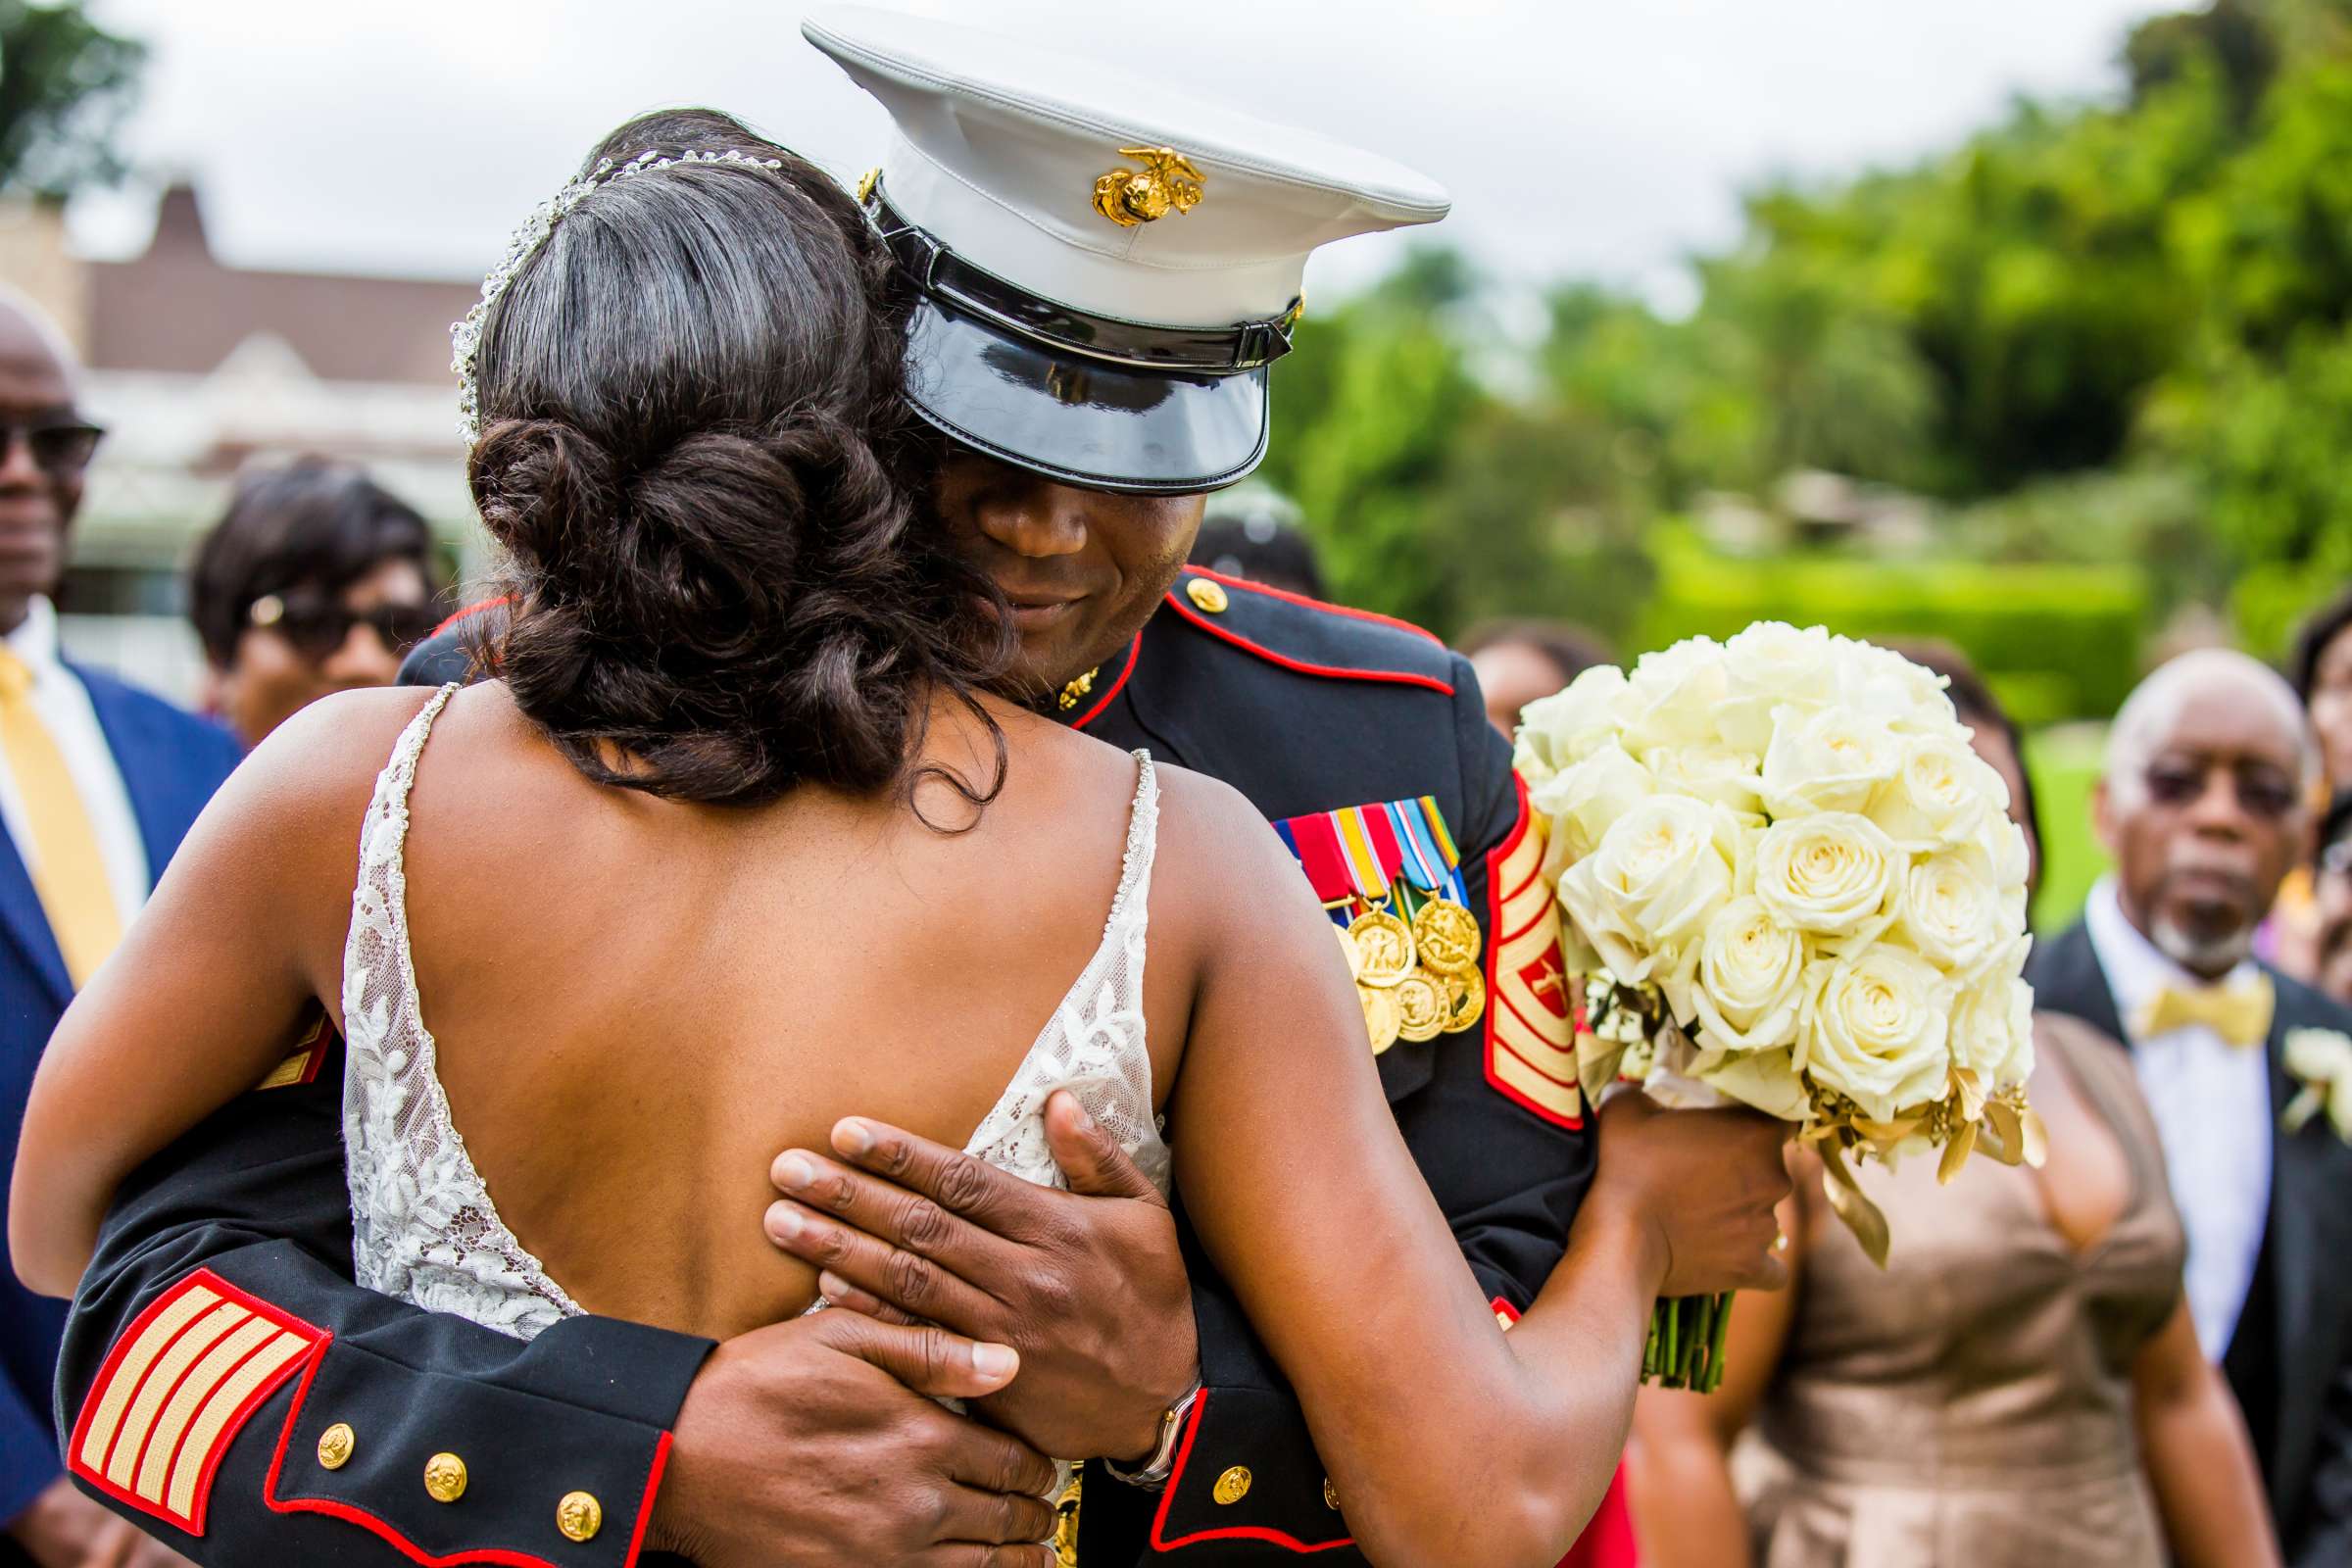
(1106,265)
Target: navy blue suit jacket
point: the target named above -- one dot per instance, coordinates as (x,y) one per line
(171,763)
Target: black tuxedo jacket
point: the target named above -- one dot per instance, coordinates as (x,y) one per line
(2290,1360)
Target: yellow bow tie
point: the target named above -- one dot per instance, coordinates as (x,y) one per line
(2239,1013)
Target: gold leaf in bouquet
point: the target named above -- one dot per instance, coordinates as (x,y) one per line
(2017,1137)
(1863,1217)
(1956,1153)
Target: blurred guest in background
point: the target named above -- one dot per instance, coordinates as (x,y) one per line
(316,581)
(1878,1439)
(1520,660)
(98,781)
(2323,675)
(2333,899)
(1254,531)
(2204,805)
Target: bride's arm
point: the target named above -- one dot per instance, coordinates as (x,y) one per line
(211,982)
(1444,1440)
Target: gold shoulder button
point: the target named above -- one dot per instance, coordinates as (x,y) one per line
(1209,594)
(336,1446)
(1233,1486)
(579,1516)
(445,1478)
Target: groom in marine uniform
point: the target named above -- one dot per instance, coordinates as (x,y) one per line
(1103,274)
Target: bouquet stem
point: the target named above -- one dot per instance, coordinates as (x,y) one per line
(1684,1349)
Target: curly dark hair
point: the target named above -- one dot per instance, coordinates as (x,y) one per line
(2313,639)
(695,454)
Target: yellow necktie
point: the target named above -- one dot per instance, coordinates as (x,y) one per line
(2239,1013)
(68,870)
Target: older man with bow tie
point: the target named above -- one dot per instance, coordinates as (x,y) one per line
(2204,808)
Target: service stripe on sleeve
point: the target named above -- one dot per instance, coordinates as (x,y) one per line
(175,1389)
(1531,1037)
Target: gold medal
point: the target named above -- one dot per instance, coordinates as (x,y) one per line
(1422,1012)
(1355,960)
(1380,1015)
(1466,999)
(1383,948)
(1445,936)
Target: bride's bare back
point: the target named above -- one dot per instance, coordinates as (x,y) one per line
(636,1002)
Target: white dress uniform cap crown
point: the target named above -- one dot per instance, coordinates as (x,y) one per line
(999,145)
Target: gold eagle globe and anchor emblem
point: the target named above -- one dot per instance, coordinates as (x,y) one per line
(1166,182)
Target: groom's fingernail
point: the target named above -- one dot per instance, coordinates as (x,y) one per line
(994,1361)
(852,1137)
(785,1221)
(794,1173)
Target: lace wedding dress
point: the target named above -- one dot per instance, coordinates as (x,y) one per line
(424,1229)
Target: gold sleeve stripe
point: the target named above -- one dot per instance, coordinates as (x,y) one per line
(1531,1041)
(224,1403)
(124,1380)
(172,1423)
(169,1367)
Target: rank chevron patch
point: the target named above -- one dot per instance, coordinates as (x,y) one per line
(1531,1037)
(175,1389)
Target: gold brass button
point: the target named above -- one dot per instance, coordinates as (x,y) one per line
(334,1446)
(1209,594)
(445,1478)
(1331,1496)
(579,1516)
(1233,1486)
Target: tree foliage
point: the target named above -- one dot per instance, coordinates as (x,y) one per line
(66,86)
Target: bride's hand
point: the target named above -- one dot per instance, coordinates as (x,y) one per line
(1086,1284)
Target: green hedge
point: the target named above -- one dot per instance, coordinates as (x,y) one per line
(2056,641)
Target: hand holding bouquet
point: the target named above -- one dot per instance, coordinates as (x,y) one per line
(1788,881)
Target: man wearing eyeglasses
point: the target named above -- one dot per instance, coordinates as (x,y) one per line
(98,782)
(2204,804)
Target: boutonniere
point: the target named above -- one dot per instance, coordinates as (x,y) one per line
(2320,1060)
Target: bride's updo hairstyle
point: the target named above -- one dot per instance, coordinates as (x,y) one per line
(694,451)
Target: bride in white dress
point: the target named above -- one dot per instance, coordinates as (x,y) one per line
(740,840)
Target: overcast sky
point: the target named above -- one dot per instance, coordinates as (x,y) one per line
(1577,138)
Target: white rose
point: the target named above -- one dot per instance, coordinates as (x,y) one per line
(1874,1029)
(1750,981)
(1834,874)
(1672,696)
(2003,843)
(1765,1079)
(1710,772)
(1953,914)
(1563,729)
(1993,1031)
(1657,877)
(1769,666)
(1888,687)
(1582,799)
(1831,761)
(1941,795)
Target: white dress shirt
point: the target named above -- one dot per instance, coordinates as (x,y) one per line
(2212,1103)
(64,703)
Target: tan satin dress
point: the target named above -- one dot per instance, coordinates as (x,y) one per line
(1971,1406)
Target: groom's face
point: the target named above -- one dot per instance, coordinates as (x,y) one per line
(1082,568)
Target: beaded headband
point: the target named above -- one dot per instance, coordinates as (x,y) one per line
(465,338)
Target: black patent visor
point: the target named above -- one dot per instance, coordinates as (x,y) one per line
(1081,421)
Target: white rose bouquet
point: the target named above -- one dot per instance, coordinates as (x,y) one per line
(1788,881)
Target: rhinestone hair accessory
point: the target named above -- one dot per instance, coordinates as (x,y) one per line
(465,338)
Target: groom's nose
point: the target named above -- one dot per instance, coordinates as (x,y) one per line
(1033,517)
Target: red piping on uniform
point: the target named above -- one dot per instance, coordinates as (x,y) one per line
(1270,592)
(474,608)
(1503,1308)
(229,1429)
(645,1510)
(1167,1497)
(1397,676)
(1135,651)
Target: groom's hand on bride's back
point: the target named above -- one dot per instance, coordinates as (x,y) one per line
(1087,1285)
(812,1442)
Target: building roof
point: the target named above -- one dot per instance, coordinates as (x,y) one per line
(177,309)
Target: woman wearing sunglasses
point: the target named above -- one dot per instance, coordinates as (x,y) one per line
(316,581)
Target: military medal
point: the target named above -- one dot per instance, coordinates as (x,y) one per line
(1383,948)
(1465,999)
(1355,964)
(1445,936)
(1422,1008)
(1381,1020)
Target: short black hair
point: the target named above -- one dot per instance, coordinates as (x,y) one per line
(310,523)
(2328,622)
(1572,649)
(2337,825)
(1260,549)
